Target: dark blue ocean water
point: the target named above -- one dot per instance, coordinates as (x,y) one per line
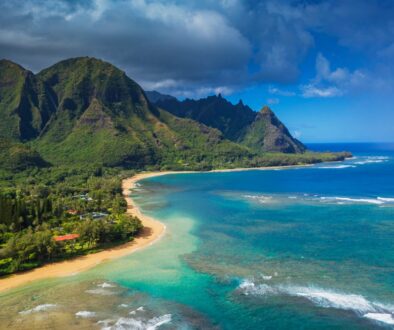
(309,248)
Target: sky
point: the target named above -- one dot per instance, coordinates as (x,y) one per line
(325,67)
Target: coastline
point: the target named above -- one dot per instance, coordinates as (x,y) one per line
(153,230)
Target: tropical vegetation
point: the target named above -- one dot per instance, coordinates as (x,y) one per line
(69,134)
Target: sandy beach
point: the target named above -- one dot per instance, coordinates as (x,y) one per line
(153,231)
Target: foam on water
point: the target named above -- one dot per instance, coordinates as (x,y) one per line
(101,292)
(381,317)
(336,166)
(139,309)
(339,200)
(263,199)
(39,308)
(386,199)
(325,298)
(85,314)
(266,277)
(356,161)
(123,305)
(354,200)
(105,285)
(372,160)
(126,323)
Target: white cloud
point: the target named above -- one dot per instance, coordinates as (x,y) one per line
(281,92)
(331,83)
(309,91)
(297,134)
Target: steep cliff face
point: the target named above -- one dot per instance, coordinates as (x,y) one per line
(25,103)
(261,131)
(85,110)
(268,133)
(213,111)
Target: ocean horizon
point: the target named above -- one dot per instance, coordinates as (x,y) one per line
(306,247)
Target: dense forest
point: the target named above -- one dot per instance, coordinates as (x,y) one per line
(38,207)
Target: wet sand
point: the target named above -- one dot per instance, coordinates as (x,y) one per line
(153,230)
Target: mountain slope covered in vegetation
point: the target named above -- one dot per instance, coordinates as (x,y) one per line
(262,132)
(84,111)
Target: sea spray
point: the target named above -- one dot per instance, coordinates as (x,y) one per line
(324,298)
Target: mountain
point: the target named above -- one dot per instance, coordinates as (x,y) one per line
(268,133)
(213,111)
(154,96)
(25,103)
(262,131)
(85,110)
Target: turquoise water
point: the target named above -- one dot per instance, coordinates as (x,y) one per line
(304,248)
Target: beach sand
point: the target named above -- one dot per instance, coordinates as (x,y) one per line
(153,230)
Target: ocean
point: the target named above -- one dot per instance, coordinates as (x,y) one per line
(299,248)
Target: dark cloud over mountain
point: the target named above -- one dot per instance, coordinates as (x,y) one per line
(196,47)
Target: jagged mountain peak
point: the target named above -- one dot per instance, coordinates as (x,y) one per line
(266,110)
(260,131)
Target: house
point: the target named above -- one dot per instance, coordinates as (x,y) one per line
(99,215)
(68,237)
(72,212)
(94,215)
(84,197)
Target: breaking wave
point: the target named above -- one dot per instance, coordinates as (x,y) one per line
(356,161)
(371,160)
(381,317)
(336,166)
(85,314)
(325,298)
(263,199)
(39,308)
(340,200)
(106,285)
(376,201)
(102,289)
(126,323)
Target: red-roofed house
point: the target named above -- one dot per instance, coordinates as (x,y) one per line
(72,212)
(67,237)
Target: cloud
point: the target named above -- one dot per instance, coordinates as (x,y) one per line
(201,45)
(309,91)
(297,134)
(338,76)
(281,92)
(331,83)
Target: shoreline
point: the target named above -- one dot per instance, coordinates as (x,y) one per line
(152,232)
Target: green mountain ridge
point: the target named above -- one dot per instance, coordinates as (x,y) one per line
(262,132)
(25,103)
(84,111)
(269,134)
